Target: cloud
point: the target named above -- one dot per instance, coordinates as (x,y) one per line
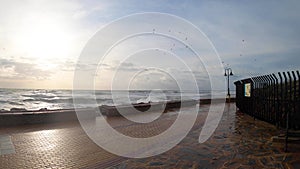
(136,76)
(19,70)
(254,37)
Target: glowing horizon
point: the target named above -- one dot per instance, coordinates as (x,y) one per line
(41,41)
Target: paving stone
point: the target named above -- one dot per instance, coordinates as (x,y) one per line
(238,142)
(156,163)
(6,146)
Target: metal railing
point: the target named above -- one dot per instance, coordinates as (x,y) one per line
(274,98)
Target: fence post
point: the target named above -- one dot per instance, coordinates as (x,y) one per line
(294,99)
(270,88)
(255,90)
(281,99)
(268,98)
(298,74)
(262,95)
(289,95)
(298,100)
(276,100)
(266,113)
(286,110)
(272,97)
(290,101)
(251,96)
(259,101)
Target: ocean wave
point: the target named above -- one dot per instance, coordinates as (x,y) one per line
(68,100)
(2,101)
(63,99)
(16,103)
(38,96)
(28,100)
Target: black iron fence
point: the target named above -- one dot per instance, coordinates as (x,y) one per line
(274,98)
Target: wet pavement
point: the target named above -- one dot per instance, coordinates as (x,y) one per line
(239,142)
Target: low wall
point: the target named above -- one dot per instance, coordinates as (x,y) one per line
(12,119)
(55,116)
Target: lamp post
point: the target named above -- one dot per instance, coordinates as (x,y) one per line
(228,72)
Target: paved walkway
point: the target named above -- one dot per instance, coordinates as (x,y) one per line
(239,142)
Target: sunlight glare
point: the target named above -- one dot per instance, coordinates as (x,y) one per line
(44,39)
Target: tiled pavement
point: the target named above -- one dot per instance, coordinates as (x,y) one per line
(239,142)
(6,146)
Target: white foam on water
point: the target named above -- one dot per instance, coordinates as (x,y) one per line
(35,99)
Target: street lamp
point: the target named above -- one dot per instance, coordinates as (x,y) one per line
(228,72)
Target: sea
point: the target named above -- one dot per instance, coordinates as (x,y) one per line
(36,99)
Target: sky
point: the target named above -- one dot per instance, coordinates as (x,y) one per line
(42,41)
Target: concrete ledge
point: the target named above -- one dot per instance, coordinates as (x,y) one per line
(13,118)
(142,107)
(157,106)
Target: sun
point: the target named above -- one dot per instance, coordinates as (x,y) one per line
(44,39)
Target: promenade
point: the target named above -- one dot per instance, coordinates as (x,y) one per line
(239,142)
